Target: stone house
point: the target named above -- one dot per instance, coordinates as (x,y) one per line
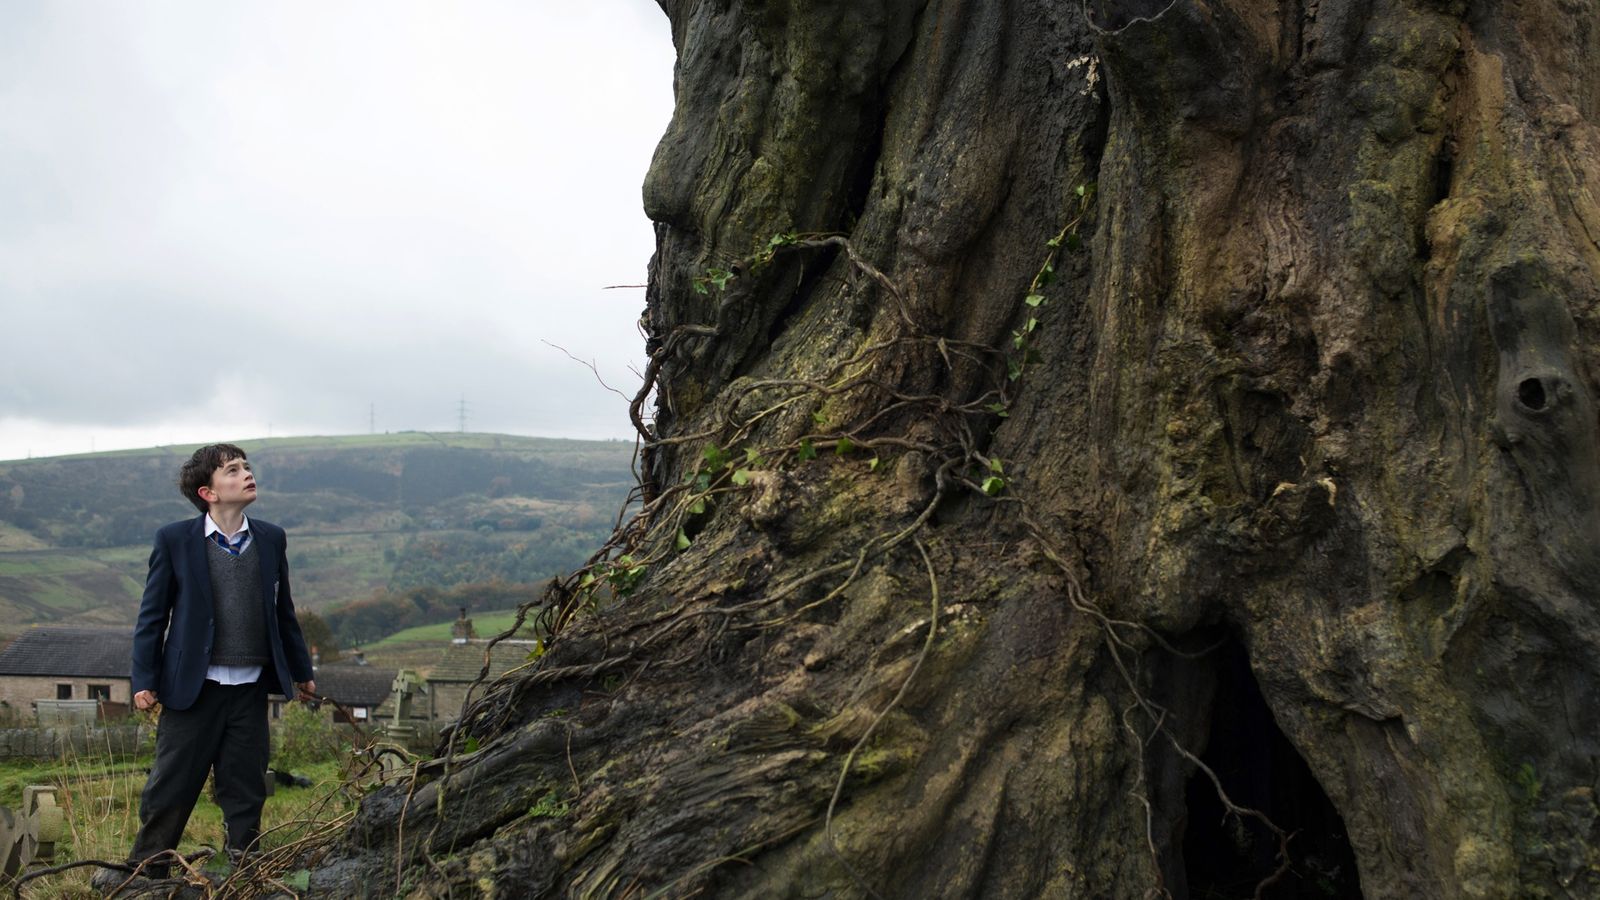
(360,691)
(76,663)
(459,666)
(65,662)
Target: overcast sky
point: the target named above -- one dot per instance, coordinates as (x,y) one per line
(224,220)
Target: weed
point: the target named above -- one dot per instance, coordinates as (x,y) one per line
(550,806)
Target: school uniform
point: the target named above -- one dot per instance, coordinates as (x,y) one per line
(216,633)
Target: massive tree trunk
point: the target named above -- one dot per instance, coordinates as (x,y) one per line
(1098,451)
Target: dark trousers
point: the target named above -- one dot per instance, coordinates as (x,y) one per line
(224,731)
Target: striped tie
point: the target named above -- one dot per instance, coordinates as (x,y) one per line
(232,547)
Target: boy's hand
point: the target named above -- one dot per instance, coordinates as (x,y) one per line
(144,700)
(308,690)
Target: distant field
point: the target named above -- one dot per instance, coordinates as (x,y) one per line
(14,538)
(365,514)
(332,569)
(49,585)
(486,625)
(422,647)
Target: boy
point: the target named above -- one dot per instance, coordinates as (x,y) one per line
(216,632)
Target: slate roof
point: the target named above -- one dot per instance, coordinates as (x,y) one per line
(461,663)
(354,685)
(69,651)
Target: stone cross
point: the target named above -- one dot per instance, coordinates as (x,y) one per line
(32,833)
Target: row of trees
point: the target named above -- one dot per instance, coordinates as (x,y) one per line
(447,559)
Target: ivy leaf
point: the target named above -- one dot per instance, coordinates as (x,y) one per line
(751,457)
(683,540)
(807,451)
(873,463)
(1033,325)
(472,744)
(715,456)
(996,467)
(1046,275)
(999,409)
(1073,241)
(844,446)
(1013,369)
(299,880)
(1033,299)
(698,507)
(741,477)
(819,418)
(993,485)
(1082,189)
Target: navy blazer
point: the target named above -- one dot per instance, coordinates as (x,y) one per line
(176,626)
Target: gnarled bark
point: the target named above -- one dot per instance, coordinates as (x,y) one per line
(1305,426)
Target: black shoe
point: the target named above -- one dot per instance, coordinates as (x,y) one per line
(115,882)
(221,866)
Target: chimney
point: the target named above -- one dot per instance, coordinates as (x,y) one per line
(461,631)
(361,658)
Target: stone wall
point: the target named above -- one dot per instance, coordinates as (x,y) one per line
(38,743)
(444,700)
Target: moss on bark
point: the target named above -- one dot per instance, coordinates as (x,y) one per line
(1318,382)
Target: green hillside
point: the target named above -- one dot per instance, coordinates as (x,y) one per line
(365,513)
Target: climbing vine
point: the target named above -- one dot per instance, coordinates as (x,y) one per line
(734,453)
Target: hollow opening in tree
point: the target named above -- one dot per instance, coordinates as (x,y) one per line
(1227,857)
(1531,393)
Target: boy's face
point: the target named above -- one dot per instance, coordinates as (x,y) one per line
(232,483)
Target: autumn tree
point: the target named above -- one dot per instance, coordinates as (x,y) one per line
(1120,450)
(318,636)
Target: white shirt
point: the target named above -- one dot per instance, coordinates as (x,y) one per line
(232,674)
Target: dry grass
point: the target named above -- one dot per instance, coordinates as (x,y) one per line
(99,799)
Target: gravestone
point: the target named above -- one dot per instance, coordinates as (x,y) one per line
(30,834)
(407,685)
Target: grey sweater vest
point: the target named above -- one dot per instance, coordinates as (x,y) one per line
(241,626)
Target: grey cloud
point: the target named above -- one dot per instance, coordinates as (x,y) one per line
(372,203)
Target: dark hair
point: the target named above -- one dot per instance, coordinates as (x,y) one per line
(196,473)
